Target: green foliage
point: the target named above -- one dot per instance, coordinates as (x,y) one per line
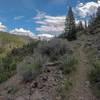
(67,84)
(98,14)
(68,63)
(54,48)
(8,38)
(79,34)
(9,42)
(63,88)
(80,26)
(94,25)
(30,67)
(70,27)
(95,75)
(9,63)
(26,49)
(3,76)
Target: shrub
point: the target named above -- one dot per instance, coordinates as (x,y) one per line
(9,62)
(54,48)
(95,75)
(63,88)
(67,84)
(3,76)
(30,67)
(67,63)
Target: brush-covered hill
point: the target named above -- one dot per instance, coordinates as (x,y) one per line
(9,41)
(13,49)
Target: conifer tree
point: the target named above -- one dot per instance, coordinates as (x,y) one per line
(80,26)
(70,28)
(85,24)
(98,14)
(94,25)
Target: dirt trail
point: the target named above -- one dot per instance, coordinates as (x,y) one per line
(81,88)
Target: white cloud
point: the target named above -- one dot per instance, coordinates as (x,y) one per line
(24,32)
(2,27)
(21,31)
(50,24)
(87,9)
(45,35)
(18,17)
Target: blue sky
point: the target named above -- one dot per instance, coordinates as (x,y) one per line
(22,13)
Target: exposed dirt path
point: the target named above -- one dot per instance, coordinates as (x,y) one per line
(81,88)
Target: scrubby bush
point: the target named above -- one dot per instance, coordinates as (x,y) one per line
(54,48)
(9,62)
(95,75)
(67,63)
(30,67)
(26,49)
(63,89)
(3,76)
(67,84)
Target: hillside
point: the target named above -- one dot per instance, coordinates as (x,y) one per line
(13,49)
(9,41)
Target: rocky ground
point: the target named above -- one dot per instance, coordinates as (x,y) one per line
(44,87)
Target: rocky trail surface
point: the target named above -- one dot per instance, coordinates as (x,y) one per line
(44,87)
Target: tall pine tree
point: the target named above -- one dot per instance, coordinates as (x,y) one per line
(70,28)
(98,14)
(80,26)
(94,25)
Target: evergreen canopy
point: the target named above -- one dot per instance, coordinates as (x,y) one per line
(70,28)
